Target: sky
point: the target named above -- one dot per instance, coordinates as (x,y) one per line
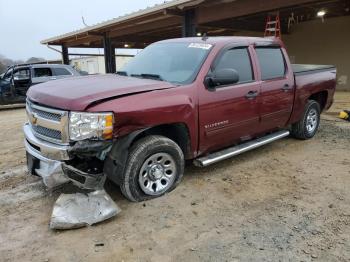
(24,23)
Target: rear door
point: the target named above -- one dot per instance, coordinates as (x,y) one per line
(230,113)
(42,74)
(277,87)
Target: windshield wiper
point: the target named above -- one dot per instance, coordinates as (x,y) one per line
(148,76)
(122,73)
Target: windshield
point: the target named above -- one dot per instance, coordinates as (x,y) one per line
(172,62)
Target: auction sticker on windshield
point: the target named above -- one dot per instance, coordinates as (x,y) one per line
(200,45)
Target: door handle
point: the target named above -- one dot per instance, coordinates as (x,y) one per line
(251,94)
(53,78)
(286,88)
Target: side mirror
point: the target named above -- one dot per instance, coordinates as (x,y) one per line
(226,76)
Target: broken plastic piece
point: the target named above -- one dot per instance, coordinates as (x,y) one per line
(79,210)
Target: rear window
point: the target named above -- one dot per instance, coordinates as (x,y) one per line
(239,60)
(62,72)
(42,72)
(271,62)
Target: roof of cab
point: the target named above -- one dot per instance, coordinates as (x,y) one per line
(49,65)
(226,40)
(41,65)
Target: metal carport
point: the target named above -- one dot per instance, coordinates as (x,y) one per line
(188,18)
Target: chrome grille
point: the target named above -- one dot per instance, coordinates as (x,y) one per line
(43,131)
(47,123)
(47,115)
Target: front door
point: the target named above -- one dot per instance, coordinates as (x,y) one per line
(21,81)
(5,84)
(230,114)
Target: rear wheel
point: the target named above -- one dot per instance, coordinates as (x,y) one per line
(154,167)
(307,127)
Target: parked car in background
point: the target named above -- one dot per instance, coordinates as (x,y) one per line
(15,82)
(203,100)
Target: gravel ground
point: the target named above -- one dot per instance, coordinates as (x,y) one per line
(287,201)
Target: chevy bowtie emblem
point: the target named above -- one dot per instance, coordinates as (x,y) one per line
(34,118)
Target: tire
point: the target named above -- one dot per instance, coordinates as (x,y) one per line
(307,127)
(154,167)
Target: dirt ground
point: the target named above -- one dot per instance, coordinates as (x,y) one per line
(287,201)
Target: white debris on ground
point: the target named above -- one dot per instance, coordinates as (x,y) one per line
(79,210)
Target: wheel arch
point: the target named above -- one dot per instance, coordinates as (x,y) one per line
(116,160)
(178,132)
(321,98)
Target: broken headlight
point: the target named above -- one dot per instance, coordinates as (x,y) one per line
(98,126)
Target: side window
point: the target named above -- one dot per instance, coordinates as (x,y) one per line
(42,72)
(239,60)
(59,71)
(271,62)
(22,73)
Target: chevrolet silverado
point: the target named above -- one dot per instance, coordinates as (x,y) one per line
(201,99)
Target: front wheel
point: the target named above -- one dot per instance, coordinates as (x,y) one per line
(154,167)
(307,127)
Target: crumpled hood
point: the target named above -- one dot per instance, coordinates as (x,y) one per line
(77,93)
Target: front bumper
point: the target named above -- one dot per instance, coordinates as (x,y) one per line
(45,149)
(49,170)
(50,164)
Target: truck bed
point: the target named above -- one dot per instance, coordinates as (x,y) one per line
(301,69)
(312,79)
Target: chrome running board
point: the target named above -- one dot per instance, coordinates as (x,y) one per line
(239,149)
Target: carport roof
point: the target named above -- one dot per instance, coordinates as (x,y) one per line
(216,17)
(100,26)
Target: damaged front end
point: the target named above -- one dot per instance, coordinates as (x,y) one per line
(85,169)
(80,162)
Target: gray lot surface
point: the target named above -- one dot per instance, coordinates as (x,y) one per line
(287,201)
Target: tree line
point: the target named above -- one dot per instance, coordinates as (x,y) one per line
(6,62)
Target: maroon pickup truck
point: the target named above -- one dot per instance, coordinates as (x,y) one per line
(200,99)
